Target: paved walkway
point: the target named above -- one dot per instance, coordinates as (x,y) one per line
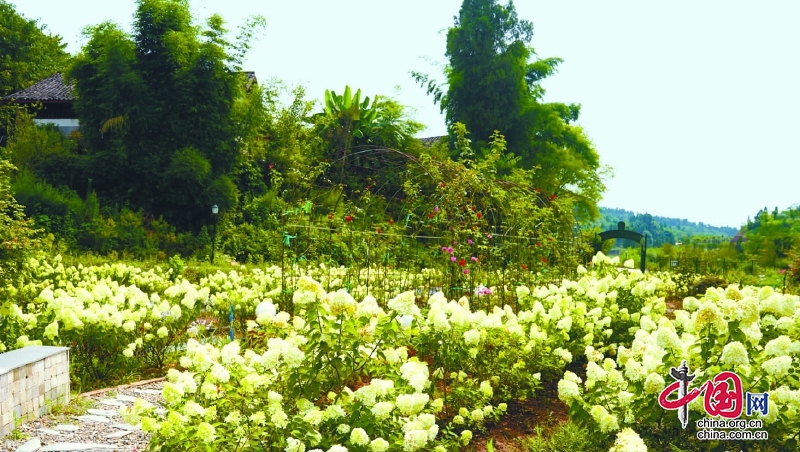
(100,429)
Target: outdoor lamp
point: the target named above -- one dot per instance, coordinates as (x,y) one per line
(214,211)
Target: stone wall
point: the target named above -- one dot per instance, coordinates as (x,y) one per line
(32,379)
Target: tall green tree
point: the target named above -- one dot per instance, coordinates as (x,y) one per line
(28,53)
(160,111)
(488,55)
(494,84)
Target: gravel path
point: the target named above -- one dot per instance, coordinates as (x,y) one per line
(102,425)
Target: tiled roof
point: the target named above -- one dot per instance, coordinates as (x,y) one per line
(430,141)
(52,88)
(251,78)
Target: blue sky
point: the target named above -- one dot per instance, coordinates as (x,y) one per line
(693,104)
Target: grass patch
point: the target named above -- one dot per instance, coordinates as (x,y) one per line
(563,438)
(77,406)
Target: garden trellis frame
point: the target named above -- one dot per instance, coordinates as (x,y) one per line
(622,233)
(394,222)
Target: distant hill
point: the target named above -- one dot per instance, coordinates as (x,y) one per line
(661,229)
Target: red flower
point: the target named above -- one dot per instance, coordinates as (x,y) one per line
(379,230)
(552,197)
(271,166)
(550,238)
(348,218)
(368,187)
(430,215)
(544,260)
(391,221)
(478,215)
(330,216)
(462,262)
(524,267)
(538,243)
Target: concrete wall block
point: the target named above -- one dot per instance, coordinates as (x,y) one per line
(6,417)
(28,391)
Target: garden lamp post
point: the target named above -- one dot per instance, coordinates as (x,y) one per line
(215,212)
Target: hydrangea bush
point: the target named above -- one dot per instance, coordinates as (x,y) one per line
(338,374)
(385,362)
(115,318)
(754,332)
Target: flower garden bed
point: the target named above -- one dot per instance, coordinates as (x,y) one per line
(332,369)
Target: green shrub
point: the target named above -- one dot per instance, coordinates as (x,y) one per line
(565,438)
(18,239)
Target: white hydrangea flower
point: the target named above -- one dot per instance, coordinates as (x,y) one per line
(313,416)
(334,412)
(628,441)
(777,367)
(404,304)
(342,303)
(294,445)
(409,404)
(594,373)
(359,437)
(379,445)
(654,384)
(606,421)
(266,310)
(781,346)
(734,353)
(382,410)
(564,324)
(415,440)
(416,374)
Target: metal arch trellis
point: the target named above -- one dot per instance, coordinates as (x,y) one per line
(316,228)
(622,233)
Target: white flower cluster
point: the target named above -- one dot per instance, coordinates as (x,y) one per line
(764,347)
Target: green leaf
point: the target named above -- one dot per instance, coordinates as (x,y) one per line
(346,98)
(328,103)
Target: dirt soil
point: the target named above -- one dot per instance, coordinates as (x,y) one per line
(673,304)
(544,410)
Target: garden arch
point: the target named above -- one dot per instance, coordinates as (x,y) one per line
(622,233)
(383,209)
